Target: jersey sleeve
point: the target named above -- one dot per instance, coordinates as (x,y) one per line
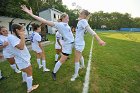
(57,25)
(84,23)
(37,38)
(13,41)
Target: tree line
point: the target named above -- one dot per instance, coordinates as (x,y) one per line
(97,20)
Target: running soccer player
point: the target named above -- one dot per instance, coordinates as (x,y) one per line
(64,29)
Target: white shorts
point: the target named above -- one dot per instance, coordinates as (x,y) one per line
(7,55)
(67,48)
(22,64)
(79,47)
(38,50)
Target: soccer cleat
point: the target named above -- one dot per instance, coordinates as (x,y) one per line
(54,76)
(33,88)
(74,77)
(2,78)
(17,71)
(40,66)
(55,62)
(46,70)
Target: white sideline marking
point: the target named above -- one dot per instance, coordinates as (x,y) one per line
(87,76)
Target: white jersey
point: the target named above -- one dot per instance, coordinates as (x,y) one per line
(80,30)
(6,50)
(35,39)
(23,55)
(65,30)
(60,38)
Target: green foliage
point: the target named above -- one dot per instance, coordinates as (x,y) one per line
(113,21)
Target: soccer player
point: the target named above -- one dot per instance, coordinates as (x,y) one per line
(64,29)
(22,55)
(58,45)
(37,47)
(82,26)
(5,47)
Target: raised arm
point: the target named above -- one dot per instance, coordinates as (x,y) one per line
(29,11)
(22,41)
(93,33)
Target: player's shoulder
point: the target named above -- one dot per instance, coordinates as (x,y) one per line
(83,21)
(10,36)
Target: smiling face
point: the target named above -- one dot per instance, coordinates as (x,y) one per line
(4,31)
(65,19)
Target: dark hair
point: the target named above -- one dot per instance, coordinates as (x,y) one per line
(1,29)
(35,26)
(15,27)
(86,12)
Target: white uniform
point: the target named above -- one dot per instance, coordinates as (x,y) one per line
(35,38)
(22,57)
(60,38)
(65,30)
(79,38)
(6,54)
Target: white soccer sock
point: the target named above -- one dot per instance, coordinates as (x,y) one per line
(39,62)
(0,74)
(82,61)
(14,67)
(57,66)
(24,76)
(29,82)
(44,64)
(77,66)
(56,57)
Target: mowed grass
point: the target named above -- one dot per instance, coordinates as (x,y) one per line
(115,68)
(13,83)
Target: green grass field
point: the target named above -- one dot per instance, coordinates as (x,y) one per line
(115,68)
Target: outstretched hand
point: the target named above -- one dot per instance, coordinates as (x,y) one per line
(25,9)
(102,43)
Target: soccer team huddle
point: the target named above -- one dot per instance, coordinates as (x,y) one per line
(17,54)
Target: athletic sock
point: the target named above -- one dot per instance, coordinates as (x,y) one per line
(39,62)
(44,64)
(82,61)
(57,66)
(14,67)
(0,74)
(56,57)
(24,76)
(77,66)
(29,82)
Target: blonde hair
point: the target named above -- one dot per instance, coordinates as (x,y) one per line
(62,16)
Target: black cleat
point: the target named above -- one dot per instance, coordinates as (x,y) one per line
(3,78)
(54,76)
(55,62)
